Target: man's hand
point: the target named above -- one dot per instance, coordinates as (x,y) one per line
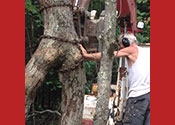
(84,52)
(115,53)
(90,56)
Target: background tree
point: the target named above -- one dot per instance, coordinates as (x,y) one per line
(104,76)
(33,27)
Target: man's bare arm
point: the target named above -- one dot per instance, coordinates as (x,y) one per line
(120,53)
(90,56)
(130,52)
(124,52)
(97,56)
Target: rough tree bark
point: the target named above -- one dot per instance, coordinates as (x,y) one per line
(58,22)
(104,75)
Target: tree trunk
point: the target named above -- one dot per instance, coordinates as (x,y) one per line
(58,22)
(73,90)
(104,75)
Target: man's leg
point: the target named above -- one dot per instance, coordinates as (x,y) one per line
(147,121)
(147,116)
(135,110)
(131,116)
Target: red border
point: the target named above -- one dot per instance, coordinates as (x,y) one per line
(162,62)
(12,64)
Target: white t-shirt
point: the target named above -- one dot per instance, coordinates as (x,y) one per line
(139,73)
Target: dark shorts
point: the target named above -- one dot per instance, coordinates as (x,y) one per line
(137,110)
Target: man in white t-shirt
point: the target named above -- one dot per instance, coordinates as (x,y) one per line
(138,104)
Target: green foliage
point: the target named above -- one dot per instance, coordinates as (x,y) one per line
(49,94)
(33,27)
(91,69)
(52,80)
(98,5)
(143,14)
(88,87)
(91,75)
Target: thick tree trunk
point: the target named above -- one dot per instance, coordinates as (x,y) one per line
(104,75)
(72,97)
(58,22)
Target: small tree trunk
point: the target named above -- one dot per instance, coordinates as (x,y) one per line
(104,75)
(58,22)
